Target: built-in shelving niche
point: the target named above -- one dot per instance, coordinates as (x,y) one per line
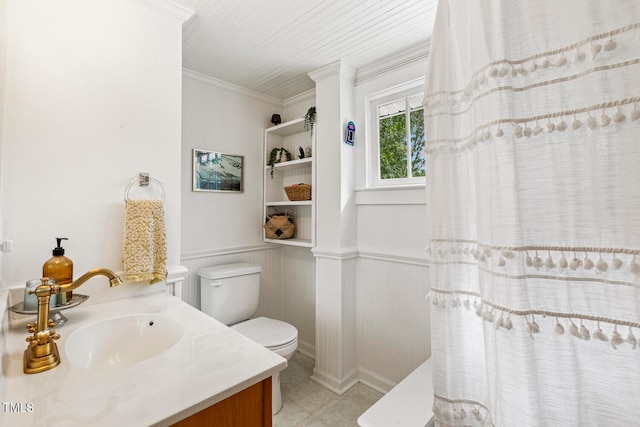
(291,135)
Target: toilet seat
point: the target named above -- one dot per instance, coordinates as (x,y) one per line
(278,348)
(270,333)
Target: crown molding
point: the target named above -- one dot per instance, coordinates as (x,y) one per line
(230,86)
(392,63)
(337,68)
(300,98)
(170,8)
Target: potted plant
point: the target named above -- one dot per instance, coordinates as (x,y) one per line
(275,156)
(310,119)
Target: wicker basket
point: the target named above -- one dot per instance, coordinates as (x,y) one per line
(298,192)
(279,226)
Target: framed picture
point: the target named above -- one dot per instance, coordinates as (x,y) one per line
(213,171)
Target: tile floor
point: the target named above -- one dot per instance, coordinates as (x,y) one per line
(308,404)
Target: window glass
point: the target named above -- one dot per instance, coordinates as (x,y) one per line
(392,139)
(399,140)
(416,119)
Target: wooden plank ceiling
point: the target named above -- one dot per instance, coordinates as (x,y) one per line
(269,46)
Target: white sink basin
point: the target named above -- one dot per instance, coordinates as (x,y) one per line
(121,341)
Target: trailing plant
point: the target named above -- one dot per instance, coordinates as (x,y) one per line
(310,119)
(275,156)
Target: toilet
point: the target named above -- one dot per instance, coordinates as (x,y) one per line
(230,294)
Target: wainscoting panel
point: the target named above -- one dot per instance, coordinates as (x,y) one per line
(336,346)
(298,295)
(393,320)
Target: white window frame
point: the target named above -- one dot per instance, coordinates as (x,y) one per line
(373,133)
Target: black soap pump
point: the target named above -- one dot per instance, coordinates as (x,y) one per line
(60,268)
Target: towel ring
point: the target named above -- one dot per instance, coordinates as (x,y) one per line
(143,181)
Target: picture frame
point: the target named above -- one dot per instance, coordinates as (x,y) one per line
(217,172)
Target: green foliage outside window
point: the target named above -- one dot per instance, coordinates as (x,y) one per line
(393,145)
(417,143)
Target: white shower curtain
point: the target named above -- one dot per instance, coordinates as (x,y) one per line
(532,113)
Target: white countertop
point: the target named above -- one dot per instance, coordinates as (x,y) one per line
(210,363)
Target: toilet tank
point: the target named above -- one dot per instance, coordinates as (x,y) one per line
(230,292)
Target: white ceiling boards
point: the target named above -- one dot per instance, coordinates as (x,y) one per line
(270,46)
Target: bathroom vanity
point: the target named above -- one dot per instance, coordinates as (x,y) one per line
(203,373)
(249,407)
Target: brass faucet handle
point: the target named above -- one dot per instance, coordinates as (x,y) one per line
(42,338)
(51,323)
(31,327)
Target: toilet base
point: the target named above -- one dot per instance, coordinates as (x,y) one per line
(276,394)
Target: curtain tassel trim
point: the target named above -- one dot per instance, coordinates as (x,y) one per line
(544,258)
(594,117)
(504,74)
(460,410)
(507,70)
(575,323)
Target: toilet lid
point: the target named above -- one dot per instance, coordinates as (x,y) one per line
(267,332)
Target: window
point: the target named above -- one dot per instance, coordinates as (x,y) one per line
(397,136)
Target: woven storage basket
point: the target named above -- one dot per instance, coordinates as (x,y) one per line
(279,226)
(298,192)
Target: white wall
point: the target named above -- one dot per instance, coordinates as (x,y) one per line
(92,97)
(297,106)
(219,117)
(387,219)
(221,228)
(3,64)
(393,316)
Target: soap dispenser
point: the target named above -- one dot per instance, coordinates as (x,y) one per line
(60,268)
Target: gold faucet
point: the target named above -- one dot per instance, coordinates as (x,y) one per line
(42,352)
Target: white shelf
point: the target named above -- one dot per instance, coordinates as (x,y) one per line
(289,203)
(305,243)
(287,128)
(291,164)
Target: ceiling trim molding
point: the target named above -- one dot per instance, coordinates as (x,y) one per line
(300,98)
(337,68)
(170,8)
(392,63)
(230,86)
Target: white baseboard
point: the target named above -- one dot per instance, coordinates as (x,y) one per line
(307,349)
(337,386)
(375,381)
(362,375)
